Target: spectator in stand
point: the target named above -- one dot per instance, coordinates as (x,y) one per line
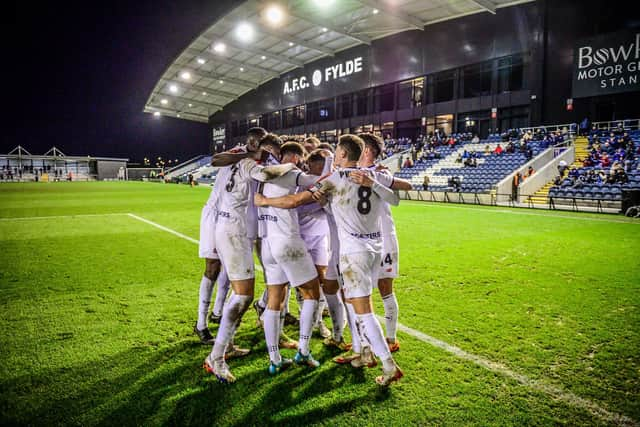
(459,159)
(528,154)
(425,183)
(573,173)
(557,180)
(498,150)
(562,167)
(510,148)
(400,158)
(530,171)
(465,154)
(408,163)
(584,126)
(515,183)
(487,150)
(190,180)
(605,161)
(475,139)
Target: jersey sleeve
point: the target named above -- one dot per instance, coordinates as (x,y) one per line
(305,180)
(383,178)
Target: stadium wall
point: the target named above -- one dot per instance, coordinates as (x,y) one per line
(544,32)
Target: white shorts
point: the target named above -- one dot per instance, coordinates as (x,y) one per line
(359,273)
(287,261)
(318,248)
(389,263)
(207,245)
(236,254)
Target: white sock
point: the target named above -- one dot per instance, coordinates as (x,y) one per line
(356,344)
(231,316)
(372,332)
(299,299)
(322,303)
(221,295)
(204,301)
(286,300)
(336,311)
(391,315)
(306,324)
(272,334)
(262,302)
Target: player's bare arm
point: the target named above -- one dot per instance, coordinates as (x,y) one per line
(228,158)
(365,179)
(290,201)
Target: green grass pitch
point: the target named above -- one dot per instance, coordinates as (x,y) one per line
(97,312)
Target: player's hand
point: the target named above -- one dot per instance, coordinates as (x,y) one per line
(381,168)
(320,197)
(361,177)
(259,200)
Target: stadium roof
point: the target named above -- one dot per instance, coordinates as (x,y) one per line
(260,40)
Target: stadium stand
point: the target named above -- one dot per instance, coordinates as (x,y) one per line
(464,164)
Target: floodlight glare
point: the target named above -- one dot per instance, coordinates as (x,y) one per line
(204,93)
(263,57)
(290,43)
(274,14)
(219,47)
(375,11)
(241,69)
(173,88)
(156,113)
(244,32)
(164,102)
(185,75)
(201,61)
(221,82)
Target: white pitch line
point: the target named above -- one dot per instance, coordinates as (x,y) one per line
(174,232)
(496,210)
(163,228)
(551,390)
(28,218)
(554,391)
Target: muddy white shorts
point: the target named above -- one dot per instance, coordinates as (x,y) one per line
(236,254)
(318,249)
(207,244)
(287,260)
(359,272)
(389,263)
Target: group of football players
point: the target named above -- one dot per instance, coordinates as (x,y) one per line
(322,225)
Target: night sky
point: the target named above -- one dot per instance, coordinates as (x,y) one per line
(79,77)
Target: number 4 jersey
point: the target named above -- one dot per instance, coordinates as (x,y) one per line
(357,210)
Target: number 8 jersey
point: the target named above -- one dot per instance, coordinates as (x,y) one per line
(357,210)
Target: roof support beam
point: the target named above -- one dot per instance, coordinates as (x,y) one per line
(296,40)
(257,52)
(219,59)
(212,75)
(172,113)
(189,85)
(190,101)
(487,5)
(394,11)
(315,21)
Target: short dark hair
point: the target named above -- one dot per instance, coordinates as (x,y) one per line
(257,132)
(316,155)
(293,148)
(270,139)
(353,145)
(326,146)
(373,141)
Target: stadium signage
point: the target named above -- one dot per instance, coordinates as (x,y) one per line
(218,134)
(319,76)
(607,64)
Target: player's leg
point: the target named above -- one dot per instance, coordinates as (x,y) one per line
(224,286)
(276,294)
(322,304)
(260,304)
(206,250)
(388,271)
(360,272)
(241,275)
(390,303)
(310,292)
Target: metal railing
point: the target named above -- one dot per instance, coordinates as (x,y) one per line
(571,128)
(627,124)
(571,203)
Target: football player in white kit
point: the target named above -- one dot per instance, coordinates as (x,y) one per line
(234,247)
(207,250)
(286,260)
(374,147)
(357,209)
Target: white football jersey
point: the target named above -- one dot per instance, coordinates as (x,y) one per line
(234,197)
(312,220)
(221,180)
(282,223)
(386,220)
(357,211)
